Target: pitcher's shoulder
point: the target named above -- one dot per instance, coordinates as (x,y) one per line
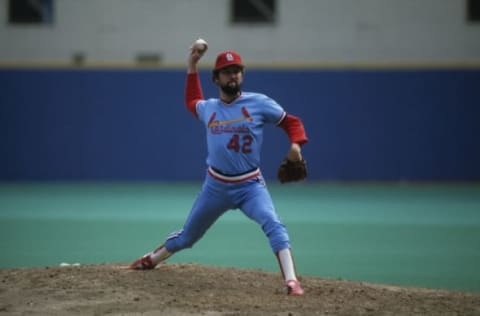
(255,96)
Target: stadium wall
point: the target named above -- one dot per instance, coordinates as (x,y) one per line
(131,124)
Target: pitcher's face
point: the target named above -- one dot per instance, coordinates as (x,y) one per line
(230,79)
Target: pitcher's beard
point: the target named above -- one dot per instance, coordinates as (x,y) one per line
(231,90)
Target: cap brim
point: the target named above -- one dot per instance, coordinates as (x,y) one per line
(228,65)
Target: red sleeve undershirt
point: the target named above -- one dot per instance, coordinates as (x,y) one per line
(293,126)
(193,92)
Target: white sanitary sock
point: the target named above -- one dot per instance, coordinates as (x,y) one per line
(159,254)
(286,264)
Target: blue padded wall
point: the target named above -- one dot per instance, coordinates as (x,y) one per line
(131,124)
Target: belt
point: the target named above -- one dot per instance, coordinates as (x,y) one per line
(233,178)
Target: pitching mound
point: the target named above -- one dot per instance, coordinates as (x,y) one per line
(186,289)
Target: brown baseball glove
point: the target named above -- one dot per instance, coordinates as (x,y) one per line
(290,171)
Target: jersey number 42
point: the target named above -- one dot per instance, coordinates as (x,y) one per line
(244,143)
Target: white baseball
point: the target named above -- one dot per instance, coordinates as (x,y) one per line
(200,45)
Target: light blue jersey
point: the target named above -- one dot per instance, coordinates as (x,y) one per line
(235,131)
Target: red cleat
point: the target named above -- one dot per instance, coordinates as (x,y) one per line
(143,263)
(294,288)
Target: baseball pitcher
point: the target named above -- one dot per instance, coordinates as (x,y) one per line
(234,133)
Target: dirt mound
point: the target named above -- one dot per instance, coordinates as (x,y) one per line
(188,289)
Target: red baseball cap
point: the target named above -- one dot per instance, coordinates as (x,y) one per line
(228,58)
